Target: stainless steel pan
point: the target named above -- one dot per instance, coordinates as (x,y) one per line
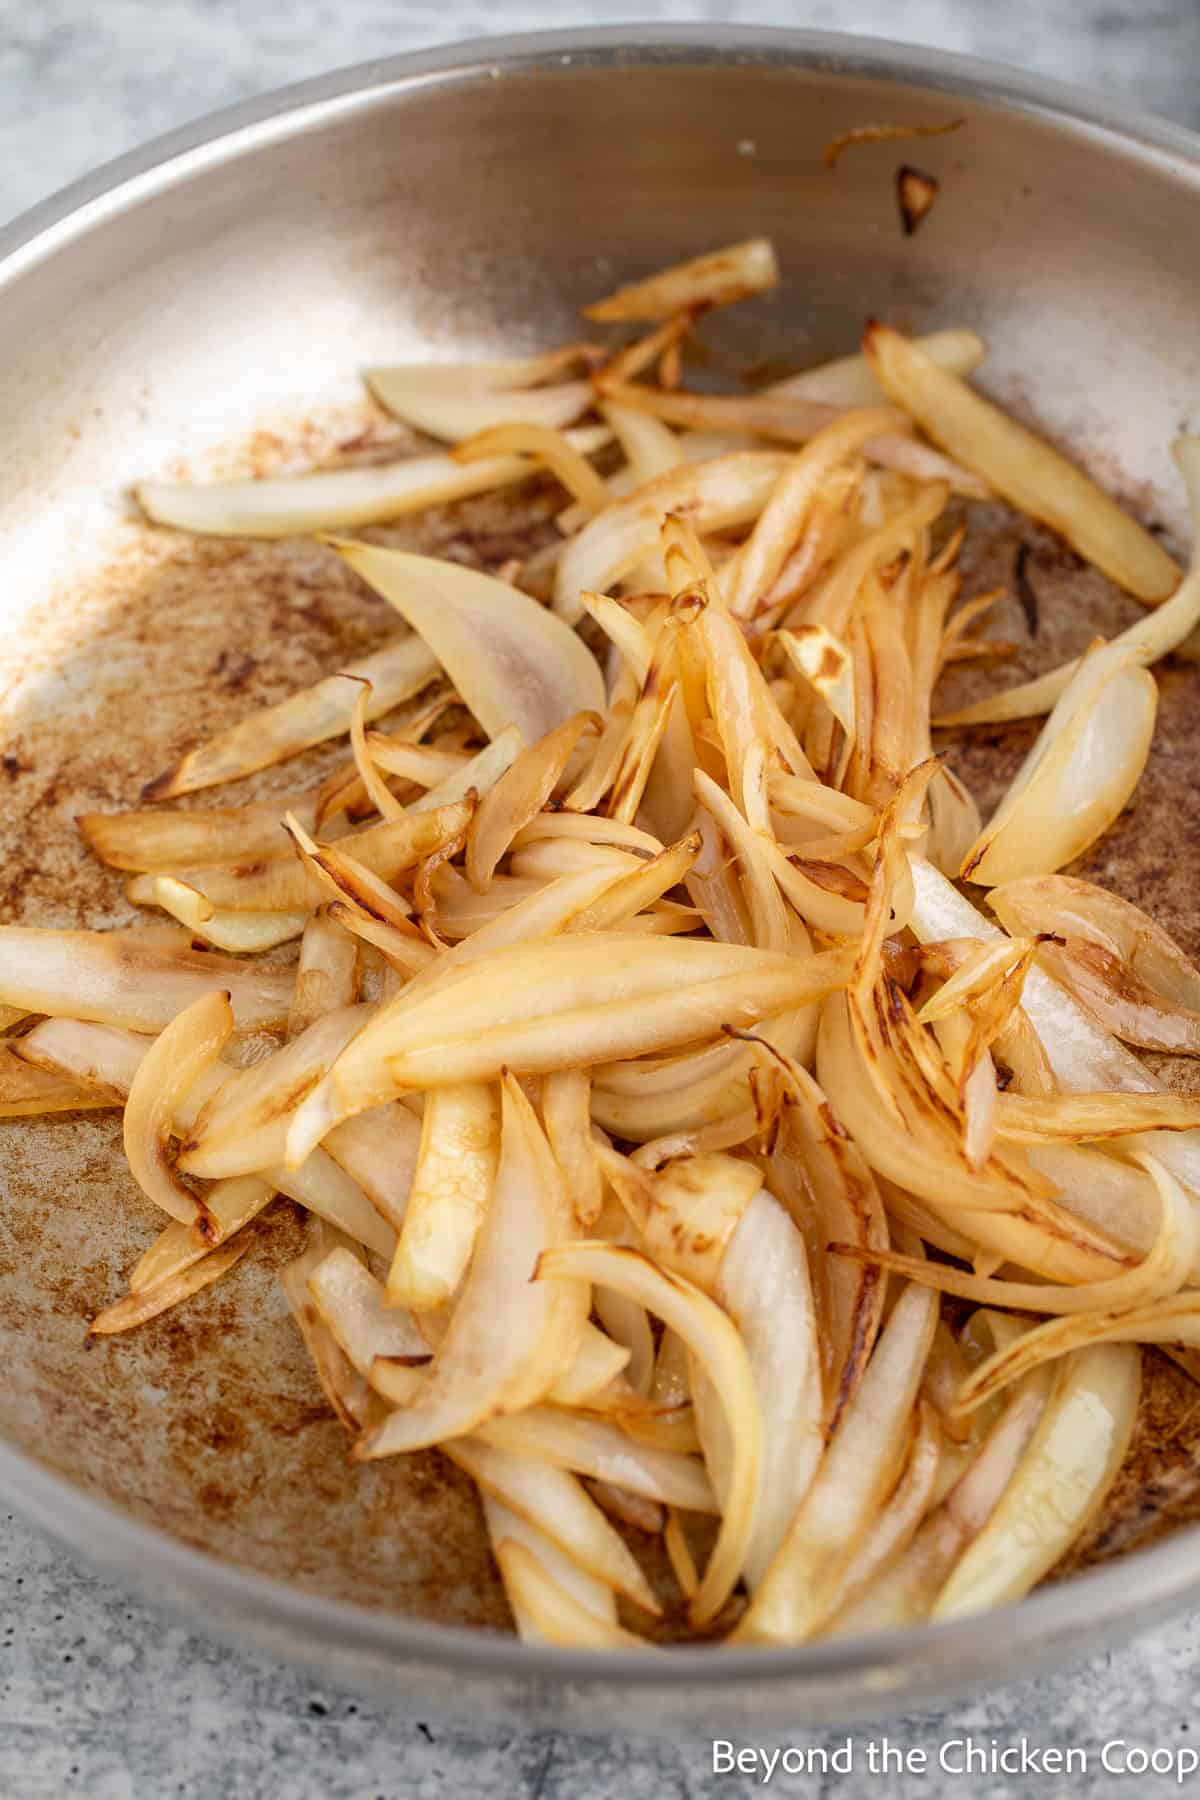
(206,304)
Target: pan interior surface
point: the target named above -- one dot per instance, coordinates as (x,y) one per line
(212,318)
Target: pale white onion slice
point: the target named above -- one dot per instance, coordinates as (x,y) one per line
(512,662)
(325,972)
(454,413)
(851,1483)
(599,1361)
(496,374)
(378,1149)
(1076,779)
(906,1591)
(326,499)
(907,1505)
(1063,1477)
(763,1284)
(566,1110)
(324,1188)
(595,1598)
(113,978)
(136,1309)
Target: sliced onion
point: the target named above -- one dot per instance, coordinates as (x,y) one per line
(245,933)
(274,733)
(715,279)
(566,1109)
(507,1340)
(244,1128)
(650,448)
(115,979)
(519,795)
(719,1351)
(512,662)
(378,1150)
(725,491)
(188,1046)
(477,776)
(324,1188)
(907,1591)
(845,1497)
(549,1607)
(451,1189)
(820,1176)
(1019,465)
(496,374)
(136,1309)
(347,1392)
(896,1526)
(596,1599)
(763,1284)
(325,972)
(605,1453)
(351,1302)
(849,381)
(547,446)
(26,1089)
(558,1505)
(1062,1479)
(333,499)
(1077,778)
(160,840)
(781,521)
(1034,1120)
(599,1362)
(1163,1271)
(228,1205)
(575,1000)
(454,413)
(686,1213)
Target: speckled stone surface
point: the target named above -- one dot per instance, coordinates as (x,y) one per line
(100,1696)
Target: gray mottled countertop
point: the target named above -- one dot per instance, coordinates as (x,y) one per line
(100,1695)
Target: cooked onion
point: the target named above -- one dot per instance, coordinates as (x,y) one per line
(715,279)
(190,1044)
(506,1341)
(1020,466)
(719,1351)
(650,930)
